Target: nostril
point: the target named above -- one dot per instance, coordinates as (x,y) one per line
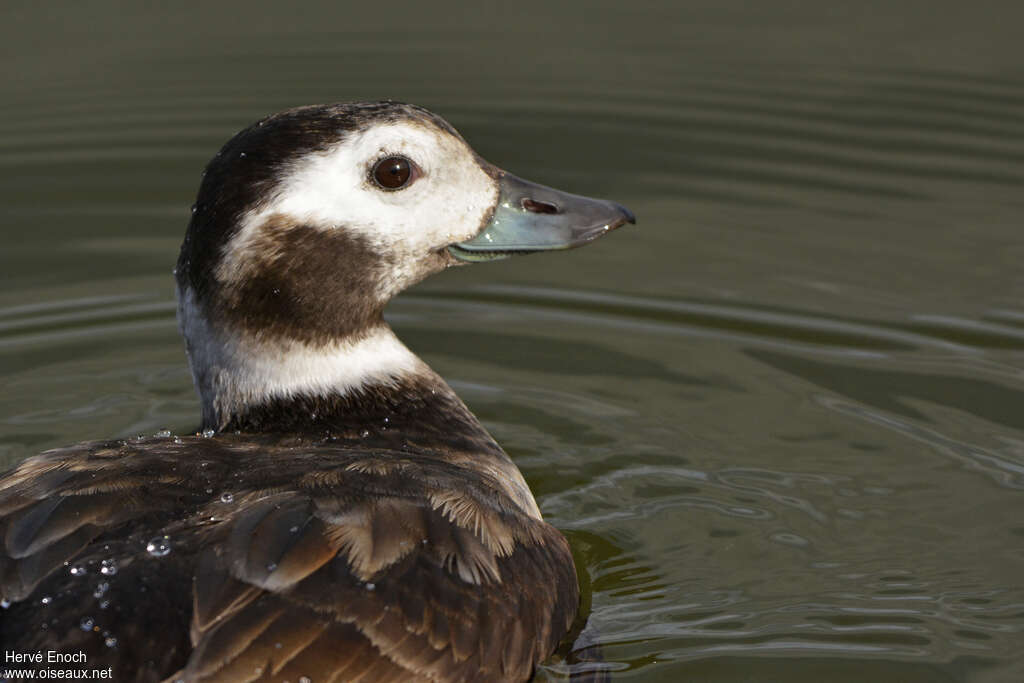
(535,206)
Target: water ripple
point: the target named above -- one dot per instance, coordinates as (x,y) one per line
(807,330)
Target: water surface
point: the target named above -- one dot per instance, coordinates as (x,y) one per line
(779,420)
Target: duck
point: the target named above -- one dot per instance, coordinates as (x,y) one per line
(339,514)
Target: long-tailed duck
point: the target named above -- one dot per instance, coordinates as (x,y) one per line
(341,515)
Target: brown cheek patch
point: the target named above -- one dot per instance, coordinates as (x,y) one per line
(302,283)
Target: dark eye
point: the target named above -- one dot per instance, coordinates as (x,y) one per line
(393,173)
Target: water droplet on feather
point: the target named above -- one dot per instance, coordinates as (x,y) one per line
(159,546)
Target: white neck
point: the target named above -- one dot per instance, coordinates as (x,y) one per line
(232,372)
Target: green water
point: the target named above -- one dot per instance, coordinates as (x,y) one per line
(780,420)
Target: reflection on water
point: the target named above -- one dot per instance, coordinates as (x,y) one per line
(779,420)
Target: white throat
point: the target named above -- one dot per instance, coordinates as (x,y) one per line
(233,372)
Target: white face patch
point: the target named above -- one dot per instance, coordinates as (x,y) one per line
(333,190)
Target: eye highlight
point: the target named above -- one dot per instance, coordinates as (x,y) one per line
(394,173)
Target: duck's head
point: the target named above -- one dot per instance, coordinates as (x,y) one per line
(308,222)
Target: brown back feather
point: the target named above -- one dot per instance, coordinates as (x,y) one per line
(329,562)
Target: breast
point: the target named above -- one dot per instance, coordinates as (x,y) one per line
(242,558)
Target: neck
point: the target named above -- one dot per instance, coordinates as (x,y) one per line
(254,373)
(364,385)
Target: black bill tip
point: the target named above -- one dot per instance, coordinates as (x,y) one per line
(630,216)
